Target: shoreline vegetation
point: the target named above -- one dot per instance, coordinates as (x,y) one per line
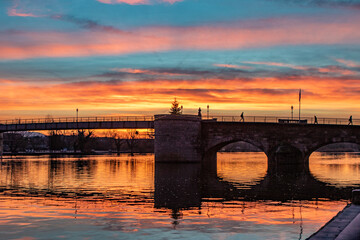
(17,144)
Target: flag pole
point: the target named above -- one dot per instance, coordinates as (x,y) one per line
(299,103)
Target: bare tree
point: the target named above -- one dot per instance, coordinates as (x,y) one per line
(118,138)
(132,140)
(55,136)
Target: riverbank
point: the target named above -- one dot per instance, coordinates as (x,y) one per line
(344,226)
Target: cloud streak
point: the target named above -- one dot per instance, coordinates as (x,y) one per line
(16,11)
(275,92)
(106,40)
(354,4)
(138,2)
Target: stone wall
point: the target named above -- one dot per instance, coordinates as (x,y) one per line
(177,138)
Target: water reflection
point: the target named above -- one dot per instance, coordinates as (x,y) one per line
(100,175)
(124,197)
(336,169)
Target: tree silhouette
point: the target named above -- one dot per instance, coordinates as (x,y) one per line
(175,109)
(55,136)
(83,140)
(132,140)
(118,138)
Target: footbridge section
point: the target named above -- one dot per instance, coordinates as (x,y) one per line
(50,124)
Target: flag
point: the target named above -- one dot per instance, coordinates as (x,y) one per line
(299,95)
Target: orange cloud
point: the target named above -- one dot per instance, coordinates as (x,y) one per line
(139,96)
(150,39)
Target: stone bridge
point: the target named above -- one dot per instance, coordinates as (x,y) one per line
(190,139)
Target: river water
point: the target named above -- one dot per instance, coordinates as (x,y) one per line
(123,197)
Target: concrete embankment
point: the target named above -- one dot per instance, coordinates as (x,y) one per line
(345,225)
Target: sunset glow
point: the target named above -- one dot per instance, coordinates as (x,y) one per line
(133,57)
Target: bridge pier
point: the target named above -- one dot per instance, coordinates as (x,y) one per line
(287,159)
(177,138)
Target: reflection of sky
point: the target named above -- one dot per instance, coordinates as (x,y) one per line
(115,198)
(243,170)
(98,219)
(113,56)
(340,169)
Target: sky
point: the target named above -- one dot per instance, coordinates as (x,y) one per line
(133,57)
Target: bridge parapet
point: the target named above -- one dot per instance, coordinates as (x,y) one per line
(284,120)
(78,119)
(286,145)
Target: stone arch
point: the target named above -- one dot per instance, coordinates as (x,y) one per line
(285,158)
(215,147)
(312,149)
(210,153)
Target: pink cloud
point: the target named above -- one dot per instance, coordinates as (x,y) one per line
(145,71)
(150,39)
(233,66)
(277,64)
(138,2)
(348,63)
(14,11)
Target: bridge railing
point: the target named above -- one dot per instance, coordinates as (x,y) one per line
(273,119)
(79,119)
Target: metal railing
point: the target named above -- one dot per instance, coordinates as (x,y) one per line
(274,119)
(258,119)
(79,119)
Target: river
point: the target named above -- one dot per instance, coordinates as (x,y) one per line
(123,197)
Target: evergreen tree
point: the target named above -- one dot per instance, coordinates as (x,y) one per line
(175,109)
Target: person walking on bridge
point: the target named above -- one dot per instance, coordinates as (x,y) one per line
(242,117)
(199,112)
(315,120)
(350,121)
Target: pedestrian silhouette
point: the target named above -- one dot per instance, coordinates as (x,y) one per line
(315,120)
(242,117)
(199,112)
(350,121)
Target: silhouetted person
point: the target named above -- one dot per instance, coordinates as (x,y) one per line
(350,121)
(242,117)
(199,112)
(315,120)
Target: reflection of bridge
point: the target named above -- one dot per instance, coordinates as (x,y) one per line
(185,186)
(188,138)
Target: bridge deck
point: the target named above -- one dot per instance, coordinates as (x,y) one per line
(77,125)
(143,122)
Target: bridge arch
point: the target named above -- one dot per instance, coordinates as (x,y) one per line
(210,152)
(215,147)
(316,147)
